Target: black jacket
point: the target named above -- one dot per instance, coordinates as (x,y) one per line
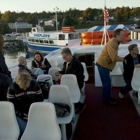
(3,66)
(37,64)
(129,67)
(22,99)
(74,67)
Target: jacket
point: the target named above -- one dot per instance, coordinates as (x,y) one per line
(3,66)
(74,67)
(109,55)
(129,67)
(22,99)
(37,64)
(24,69)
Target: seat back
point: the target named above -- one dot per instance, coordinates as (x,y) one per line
(71,81)
(14,78)
(9,129)
(42,123)
(85,71)
(52,72)
(135,83)
(43,77)
(53,63)
(60,94)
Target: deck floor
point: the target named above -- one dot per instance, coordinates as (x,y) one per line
(103,122)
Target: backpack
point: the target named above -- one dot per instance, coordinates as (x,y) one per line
(45,87)
(62,110)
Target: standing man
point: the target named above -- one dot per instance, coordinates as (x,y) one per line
(107,61)
(73,66)
(133,60)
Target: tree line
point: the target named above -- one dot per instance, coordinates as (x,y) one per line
(72,16)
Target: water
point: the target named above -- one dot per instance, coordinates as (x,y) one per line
(13,53)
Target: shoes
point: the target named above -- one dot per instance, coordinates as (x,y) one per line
(121,95)
(80,109)
(111,101)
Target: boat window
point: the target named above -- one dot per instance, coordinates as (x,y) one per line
(33,40)
(70,36)
(29,39)
(51,42)
(46,41)
(37,40)
(61,37)
(76,36)
(41,41)
(87,58)
(33,30)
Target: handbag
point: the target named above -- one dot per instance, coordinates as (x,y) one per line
(45,87)
(62,110)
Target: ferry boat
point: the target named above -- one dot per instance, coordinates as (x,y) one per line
(40,40)
(99,121)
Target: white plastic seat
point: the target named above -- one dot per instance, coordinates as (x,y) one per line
(85,72)
(53,63)
(14,78)
(43,77)
(71,81)
(9,129)
(139,95)
(60,94)
(52,72)
(42,123)
(135,83)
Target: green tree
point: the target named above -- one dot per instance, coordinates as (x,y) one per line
(31,19)
(9,16)
(4,28)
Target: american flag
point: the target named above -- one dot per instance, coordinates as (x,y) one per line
(106,15)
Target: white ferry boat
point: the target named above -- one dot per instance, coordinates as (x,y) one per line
(40,40)
(97,115)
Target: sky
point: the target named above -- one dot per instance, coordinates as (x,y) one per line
(63,5)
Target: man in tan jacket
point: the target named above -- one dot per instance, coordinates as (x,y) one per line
(106,62)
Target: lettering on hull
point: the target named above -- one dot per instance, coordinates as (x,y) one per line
(41,35)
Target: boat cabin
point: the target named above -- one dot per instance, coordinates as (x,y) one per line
(39,36)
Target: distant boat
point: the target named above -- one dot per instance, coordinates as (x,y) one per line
(40,40)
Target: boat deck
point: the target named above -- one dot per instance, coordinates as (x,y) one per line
(103,122)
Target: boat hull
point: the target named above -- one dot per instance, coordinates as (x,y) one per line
(43,48)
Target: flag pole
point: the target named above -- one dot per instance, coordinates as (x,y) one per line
(104,25)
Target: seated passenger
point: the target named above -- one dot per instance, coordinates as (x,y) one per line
(132,61)
(5,74)
(40,62)
(22,94)
(23,68)
(73,66)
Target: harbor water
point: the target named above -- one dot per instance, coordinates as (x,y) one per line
(12,54)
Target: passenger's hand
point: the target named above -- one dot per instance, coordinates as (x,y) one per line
(60,75)
(25,116)
(43,66)
(137,66)
(57,73)
(125,61)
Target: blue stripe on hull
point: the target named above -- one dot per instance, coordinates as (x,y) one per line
(42,48)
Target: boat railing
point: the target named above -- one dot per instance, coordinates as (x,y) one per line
(41,41)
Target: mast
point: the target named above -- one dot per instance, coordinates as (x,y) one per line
(104,23)
(106,16)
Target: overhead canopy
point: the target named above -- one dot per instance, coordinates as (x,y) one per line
(109,27)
